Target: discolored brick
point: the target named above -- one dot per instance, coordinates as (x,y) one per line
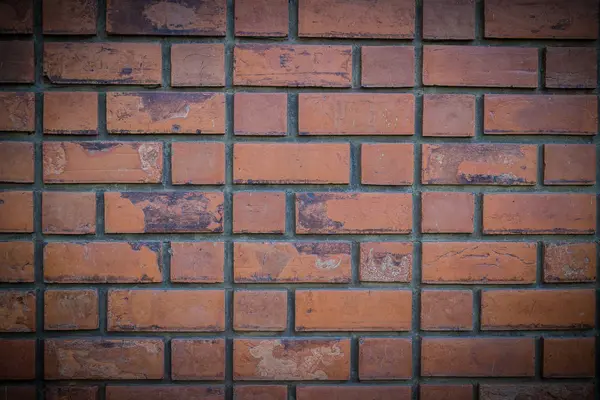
(16,262)
(571,67)
(17,111)
(71,392)
(261,18)
(198,359)
(197,262)
(538,391)
(68,213)
(264,310)
(570,262)
(386,262)
(16,212)
(197,64)
(66,310)
(165,392)
(353,392)
(16,16)
(569,164)
(260,392)
(70,17)
(446,392)
(18,359)
(17,311)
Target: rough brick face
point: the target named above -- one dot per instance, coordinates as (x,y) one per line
(16,262)
(17,111)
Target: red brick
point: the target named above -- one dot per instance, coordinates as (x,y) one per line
(353,310)
(292,65)
(449,115)
(165,112)
(488,66)
(103,63)
(386,262)
(17,311)
(385,19)
(95,358)
(68,213)
(201,163)
(257,262)
(16,162)
(464,357)
(446,310)
(537,309)
(261,18)
(260,392)
(540,19)
(71,113)
(384,358)
(347,392)
(103,162)
(102,262)
(540,115)
(570,262)
(71,392)
(77,17)
(197,64)
(165,392)
(537,213)
(387,163)
(166,310)
(571,67)
(18,359)
(17,111)
(264,310)
(16,262)
(569,357)
(16,16)
(291,359)
(197,262)
(260,114)
(166,17)
(446,392)
(569,164)
(319,163)
(449,19)
(259,212)
(538,391)
(479,262)
(17,61)
(20,393)
(356,114)
(16,212)
(198,359)
(447,212)
(358,213)
(163,212)
(388,66)
(66,310)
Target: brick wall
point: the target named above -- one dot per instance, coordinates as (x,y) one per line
(314,199)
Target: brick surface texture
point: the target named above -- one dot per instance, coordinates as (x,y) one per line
(299,199)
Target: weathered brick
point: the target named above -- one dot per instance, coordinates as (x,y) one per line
(18,359)
(201,163)
(16,262)
(449,115)
(569,357)
(165,392)
(387,163)
(570,262)
(68,213)
(538,391)
(569,164)
(571,67)
(17,61)
(197,64)
(388,66)
(20,392)
(446,310)
(66,310)
(250,114)
(261,18)
(16,162)
(386,262)
(17,311)
(197,262)
(449,19)
(70,17)
(446,392)
(198,359)
(71,392)
(447,212)
(16,212)
(74,113)
(384,358)
(260,392)
(259,212)
(264,310)
(17,111)
(347,392)
(16,16)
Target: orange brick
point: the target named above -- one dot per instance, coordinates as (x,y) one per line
(261,18)
(17,61)
(16,212)
(71,392)
(16,16)
(260,310)
(198,64)
(446,310)
(165,392)
(17,111)
(201,163)
(387,163)
(569,391)
(388,66)
(446,392)
(70,310)
(74,113)
(386,262)
(571,67)
(17,311)
(198,359)
(449,19)
(16,162)
(384,358)
(68,213)
(570,262)
(258,212)
(18,359)
(197,262)
(569,164)
(447,212)
(260,392)
(569,357)
(449,115)
(16,262)
(261,114)
(352,392)
(70,17)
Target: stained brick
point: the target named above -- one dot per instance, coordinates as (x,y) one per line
(17,111)
(16,16)
(570,262)
(261,18)
(197,262)
(340,392)
(70,309)
(571,67)
(541,391)
(74,17)
(165,392)
(569,164)
(68,213)
(16,262)
(198,359)
(260,310)
(386,262)
(17,311)
(197,65)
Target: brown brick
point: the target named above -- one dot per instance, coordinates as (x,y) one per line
(198,64)
(386,262)
(18,359)
(496,66)
(103,63)
(68,213)
(20,393)
(16,16)
(16,162)
(449,115)
(166,17)
(540,115)
(77,17)
(17,61)
(291,359)
(16,212)
(17,112)
(197,262)
(479,262)
(74,113)
(17,311)
(71,392)
(260,114)
(449,19)
(102,262)
(261,18)
(165,112)
(201,163)
(446,310)
(260,392)
(540,19)
(570,262)
(16,262)
(446,392)
(385,19)
(95,358)
(569,357)
(388,66)
(358,213)
(318,163)
(387,163)
(259,212)
(353,310)
(347,392)
(537,309)
(493,357)
(166,310)
(569,164)
(163,212)
(384,358)
(538,391)
(292,65)
(571,213)
(279,262)
(165,392)
(447,212)
(356,114)
(198,359)
(70,309)
(103,162)
(571,67)
(264,310)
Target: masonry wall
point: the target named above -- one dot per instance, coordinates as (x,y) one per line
(313,199)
